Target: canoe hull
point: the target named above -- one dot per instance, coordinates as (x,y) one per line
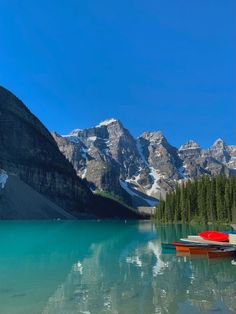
(168,246)
(201,251)
(198,239)
(182,248)
(216,254)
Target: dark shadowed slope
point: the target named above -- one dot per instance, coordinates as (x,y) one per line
(28,150)
(20,201)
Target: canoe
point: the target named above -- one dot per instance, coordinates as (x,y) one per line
(185,246)
(188,244)
(221,253)
(168,246)
(173,245)
(214,236)
(194,244)
(182,248)
(201,250)
(168,251)
(232,239)
(195,249)
(198,239)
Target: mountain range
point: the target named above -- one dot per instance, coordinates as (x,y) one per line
(140,170)
(36,180)
(98,172)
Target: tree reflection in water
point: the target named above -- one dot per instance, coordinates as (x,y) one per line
(127,273)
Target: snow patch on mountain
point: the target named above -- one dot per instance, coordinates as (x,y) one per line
(92,138)
(156,177)
(106,122)
(130,191)
(83,176)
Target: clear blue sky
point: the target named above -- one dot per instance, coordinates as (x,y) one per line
(154,64)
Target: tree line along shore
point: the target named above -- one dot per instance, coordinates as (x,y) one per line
(206,199)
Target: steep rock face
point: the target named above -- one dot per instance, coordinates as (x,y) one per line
(112,160)
(220,152)
(190,149)
(197,161)
(103,154)
(161,162)
(190,154)
(29,151)
(232,162)
(161,159)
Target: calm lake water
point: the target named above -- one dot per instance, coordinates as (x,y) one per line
(107,267)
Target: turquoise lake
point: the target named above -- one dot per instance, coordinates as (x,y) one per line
(95,267)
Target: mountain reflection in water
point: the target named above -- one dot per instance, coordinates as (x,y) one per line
(107,267)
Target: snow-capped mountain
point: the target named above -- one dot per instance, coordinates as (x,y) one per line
(111,159)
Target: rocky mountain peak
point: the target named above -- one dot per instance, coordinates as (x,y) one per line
(108,122)
(191,149)
(219,151)
(190,145)
(156,139)
(218,144)
(113,128)
(75,132)
(156,136)
(99,134)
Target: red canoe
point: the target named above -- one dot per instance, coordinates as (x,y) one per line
(200,251)
(220,253)
(214,236)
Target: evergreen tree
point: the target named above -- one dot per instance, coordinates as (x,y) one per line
(227,201)
(219,199)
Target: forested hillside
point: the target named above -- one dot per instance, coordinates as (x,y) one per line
(206,199)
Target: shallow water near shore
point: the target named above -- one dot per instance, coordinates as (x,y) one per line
(107,267)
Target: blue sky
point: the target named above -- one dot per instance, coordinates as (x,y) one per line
(156,64)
